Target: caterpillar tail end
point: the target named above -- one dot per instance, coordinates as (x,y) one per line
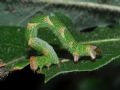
(33,64)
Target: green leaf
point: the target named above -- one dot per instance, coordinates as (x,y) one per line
(13,49)
(107,39)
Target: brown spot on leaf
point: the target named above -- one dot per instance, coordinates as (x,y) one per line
(2,64)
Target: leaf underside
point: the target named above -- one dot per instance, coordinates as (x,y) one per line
(13,49)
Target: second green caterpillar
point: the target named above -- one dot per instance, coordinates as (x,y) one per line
(61,31)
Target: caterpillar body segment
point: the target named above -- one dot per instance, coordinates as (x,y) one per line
(69,42)
(60,29)
(49,56)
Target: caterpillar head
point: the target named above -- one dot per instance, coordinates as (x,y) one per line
(93,51)
(86,50)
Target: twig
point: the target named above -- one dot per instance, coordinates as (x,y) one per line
(90,5)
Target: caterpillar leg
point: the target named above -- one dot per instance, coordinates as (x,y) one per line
(86,50)
(49,56)
(39,62)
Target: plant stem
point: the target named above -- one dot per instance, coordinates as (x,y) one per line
(90,5)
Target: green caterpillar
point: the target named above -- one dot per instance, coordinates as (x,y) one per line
(61,30)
